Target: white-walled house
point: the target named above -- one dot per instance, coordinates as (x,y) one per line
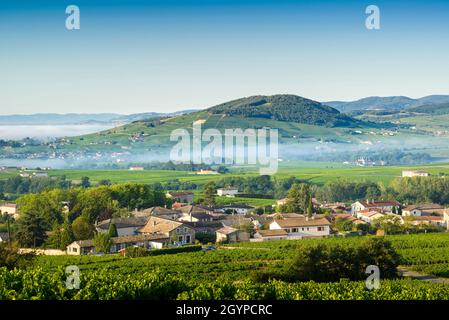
(302,227)
(423,210)
(370,205)
(229,192)
(414,173)
(9,208)
(369,215)
(266,235)
(236,208)
(176,231)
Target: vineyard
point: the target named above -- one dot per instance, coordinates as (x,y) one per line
(227,273)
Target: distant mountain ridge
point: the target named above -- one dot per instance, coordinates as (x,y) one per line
(386,103)
(81,118)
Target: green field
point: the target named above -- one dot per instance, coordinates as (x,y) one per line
(314,172)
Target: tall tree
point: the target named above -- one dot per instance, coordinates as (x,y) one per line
(299,198)
(85,182)
(310,208)
(31,230)
(67,236)
(209,192)
(112,231)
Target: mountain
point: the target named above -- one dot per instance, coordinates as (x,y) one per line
(393,103)
(434,109)
(81,118)
(375,103)
(289,108)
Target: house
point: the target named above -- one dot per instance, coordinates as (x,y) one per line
(9,208)
(160,212)
(40,175)
(181,196)
(4,237)
(136,168)
(369,205)
(231,235)
(125,226)
(281,202)
(202,171)
(369,216)
(229,192)
(177,232)
(155,241)
(414,173)
(302,227)
(236,208)
(437,221)
(275,234)
(423,210)
(196,217)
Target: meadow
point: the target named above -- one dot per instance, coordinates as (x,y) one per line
(315,172)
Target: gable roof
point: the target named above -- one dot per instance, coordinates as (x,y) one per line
(302,222)
(123,222)
(272,233)
(373,204)
(160,225)
(227,230)
(191,209)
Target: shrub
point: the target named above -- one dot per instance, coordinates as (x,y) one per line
(324,263)
(135,252)
(174,250)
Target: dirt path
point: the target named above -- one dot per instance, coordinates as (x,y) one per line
(406,272)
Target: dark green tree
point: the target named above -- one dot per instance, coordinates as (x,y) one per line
(112,231)
(85,182)
(31,230)
(209,192)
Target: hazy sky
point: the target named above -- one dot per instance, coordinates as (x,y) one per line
(141,56)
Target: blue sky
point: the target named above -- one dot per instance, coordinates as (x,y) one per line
(142,56)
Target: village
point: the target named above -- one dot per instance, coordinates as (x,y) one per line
(188,223)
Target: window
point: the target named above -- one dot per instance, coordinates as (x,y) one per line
(307,228)
(185,230)
(188,240)
(177,230)
(74,250)
(320,228)
(295,229)
(302,229)
(180,238)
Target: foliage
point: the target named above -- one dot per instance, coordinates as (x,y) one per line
(209,192)
(157,252)
(112,230)
(102,242)
(82,230)
(10,258)
(136,252)
(31,230)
